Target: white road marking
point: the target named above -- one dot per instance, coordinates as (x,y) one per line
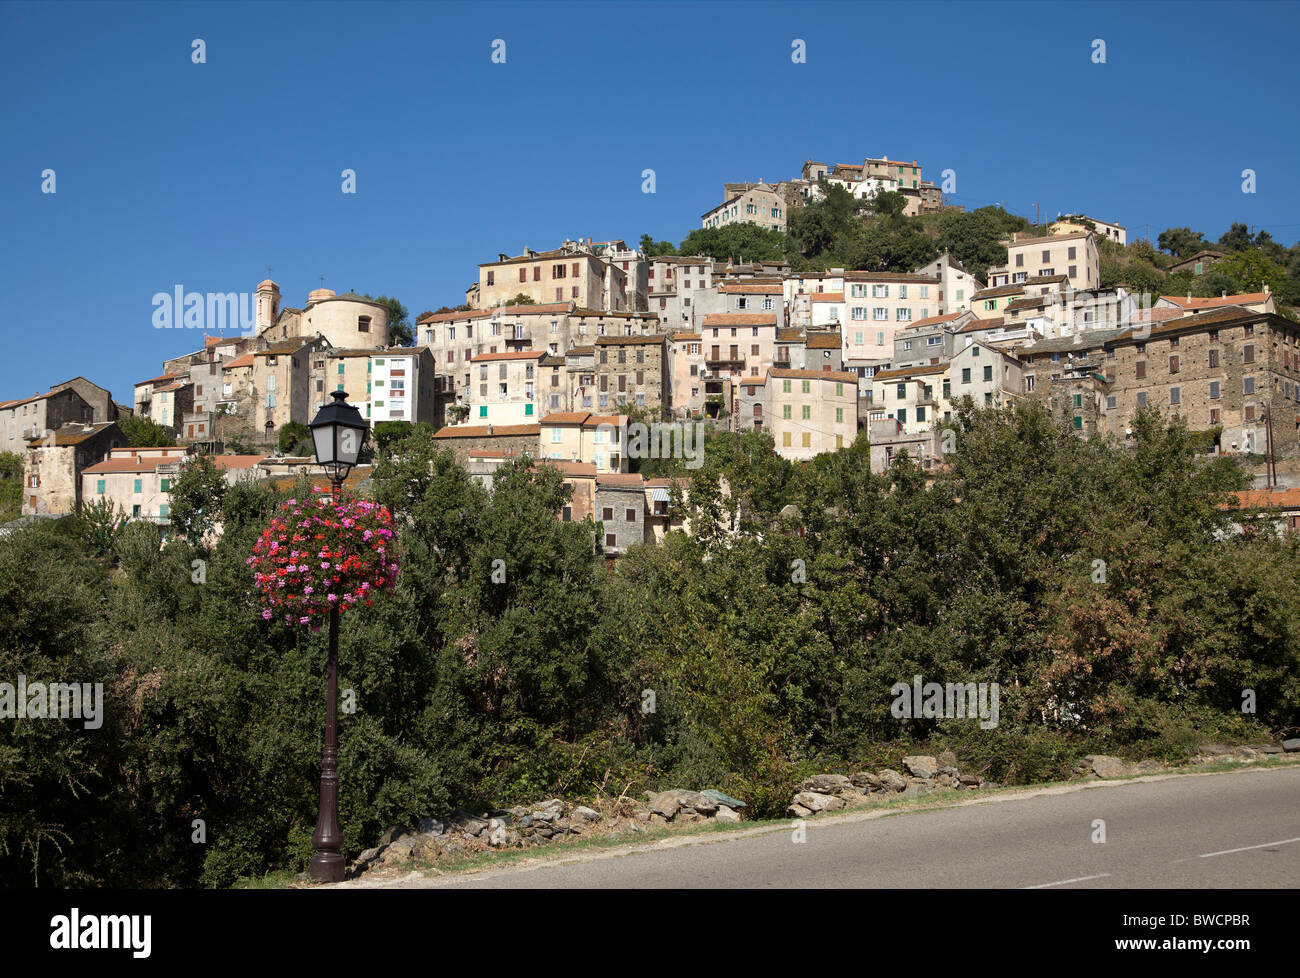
(1077,879)
(1225,852)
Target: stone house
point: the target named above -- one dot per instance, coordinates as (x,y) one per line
(53,465)
(1219,369)
(23,419)
(513,439)
(619,512)
(632,372)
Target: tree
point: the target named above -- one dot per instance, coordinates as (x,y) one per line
(143,432)
(196,497)
(520,299)
(1251,270)
(97,525)
(295,439)
(399,324)
(1236,238)
(652,248)
(1182,242)
(736,242)
(974,238)
(889,203)
(388,432)
(11,486)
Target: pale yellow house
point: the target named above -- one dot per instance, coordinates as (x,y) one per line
(811,411)
(599,440)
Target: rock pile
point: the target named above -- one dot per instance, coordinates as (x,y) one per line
(924,773)
(1218,753)
(1104,767)
(680,807)
(462,832)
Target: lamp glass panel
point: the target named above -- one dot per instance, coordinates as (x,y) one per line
(323,437)
(349,442)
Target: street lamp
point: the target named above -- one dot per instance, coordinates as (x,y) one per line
(338,433)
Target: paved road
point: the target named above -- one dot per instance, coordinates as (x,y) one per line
(1232,830)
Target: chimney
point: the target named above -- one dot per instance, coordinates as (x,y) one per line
(1267,290)
(501,256)
(1224,295)
(489,429)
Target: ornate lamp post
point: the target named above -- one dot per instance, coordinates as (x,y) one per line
(338,433)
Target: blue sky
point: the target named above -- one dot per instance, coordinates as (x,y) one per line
(203,175)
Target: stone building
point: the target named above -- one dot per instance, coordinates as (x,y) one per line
(620,512)
(569,273)
(103,407)
(1220,369)
(511,439)
(347,320)
(631,371)
(53,464)
(25,418)
(282,383)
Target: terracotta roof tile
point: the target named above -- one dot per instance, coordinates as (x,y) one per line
(836,375)
(740,319)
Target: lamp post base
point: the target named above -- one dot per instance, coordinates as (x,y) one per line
(326,867)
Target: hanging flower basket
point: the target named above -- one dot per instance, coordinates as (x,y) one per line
(321,553)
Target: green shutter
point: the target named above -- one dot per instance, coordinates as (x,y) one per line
(165,485)
(139,485)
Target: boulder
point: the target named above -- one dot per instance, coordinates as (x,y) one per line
(398,851)
(1291,746)
(916,789)
(726,814)
(393,834)
(665,803)
(698,802)
(816,802)
(1105,766)
(947,759)
(827,784)
(582,815)
(434,826)
(1149,766)
(1269,749)
(798,811)
(1247,753)
(1213,750)
(723,799)
(921,765)
(867,781)
(892,780)
(501,835)
(970,780)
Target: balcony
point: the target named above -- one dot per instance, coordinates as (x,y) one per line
(723,360)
